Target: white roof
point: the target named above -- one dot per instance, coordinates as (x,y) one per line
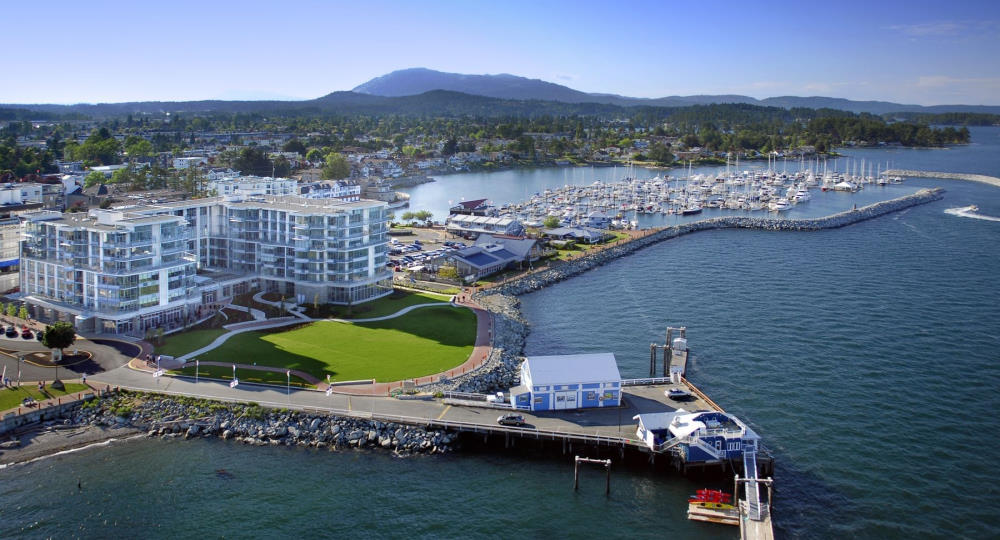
(659,420)
(573,369)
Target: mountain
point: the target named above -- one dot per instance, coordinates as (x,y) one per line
(406,82)
(427,92)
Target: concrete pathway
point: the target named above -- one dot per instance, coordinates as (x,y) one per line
(399,313)
(248,326)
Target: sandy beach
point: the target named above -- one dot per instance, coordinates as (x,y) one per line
(39,441)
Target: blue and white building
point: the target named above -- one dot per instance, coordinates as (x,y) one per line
(704,436)
(572,381)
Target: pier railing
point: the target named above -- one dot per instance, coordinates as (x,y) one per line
(648,381)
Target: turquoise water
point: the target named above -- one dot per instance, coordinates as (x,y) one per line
(866,357)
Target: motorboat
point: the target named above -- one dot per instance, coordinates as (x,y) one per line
(779,205)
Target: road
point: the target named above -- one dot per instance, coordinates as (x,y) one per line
(609,422)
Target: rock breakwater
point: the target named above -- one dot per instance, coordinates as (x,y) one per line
(511,329)
(179,417)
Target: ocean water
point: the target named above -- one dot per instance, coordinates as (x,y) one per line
(866,357)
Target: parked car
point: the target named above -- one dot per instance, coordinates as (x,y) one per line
(511,419)
(26,334)
(11,331)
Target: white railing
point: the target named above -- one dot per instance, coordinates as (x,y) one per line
(645,382)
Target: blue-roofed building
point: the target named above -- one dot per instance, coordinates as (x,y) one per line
(475,262)
(571,381)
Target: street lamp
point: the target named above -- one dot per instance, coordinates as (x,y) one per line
(196,362)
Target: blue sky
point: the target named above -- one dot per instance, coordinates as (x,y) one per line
(94,51)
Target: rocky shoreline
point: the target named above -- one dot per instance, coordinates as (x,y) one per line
(181,417)
(500,372)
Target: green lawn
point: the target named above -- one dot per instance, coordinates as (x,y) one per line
(244,375)
(422,342)
(377,308)
(185,342)
(12,397)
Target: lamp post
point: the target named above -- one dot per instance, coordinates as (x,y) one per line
(288,383)
(196,362)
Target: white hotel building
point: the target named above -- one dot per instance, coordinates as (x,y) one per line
(130,269)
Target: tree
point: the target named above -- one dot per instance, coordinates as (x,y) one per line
(253,161)
(294,145)
(408,216)
(12,309)
(336,167)
(450,147)
(282,167)
(59,336)
(659,153)
(314,155)
(22,312)
(551,222)
(423,215)
(138,147)
(448,272)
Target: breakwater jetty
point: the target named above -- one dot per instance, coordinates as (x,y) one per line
(500,371)
(982,178)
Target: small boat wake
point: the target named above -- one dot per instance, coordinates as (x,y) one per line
(970,211)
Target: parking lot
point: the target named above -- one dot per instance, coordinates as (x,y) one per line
(425,248)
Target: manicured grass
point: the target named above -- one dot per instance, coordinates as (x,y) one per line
(422,342)
(12,397)
(244,375)
(378,308)
(185,342)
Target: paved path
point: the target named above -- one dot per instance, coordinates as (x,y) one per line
(610,422)
(239,328)
(399,313)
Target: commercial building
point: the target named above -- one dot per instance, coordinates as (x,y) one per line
(573,381)
(472,226)
(198,253)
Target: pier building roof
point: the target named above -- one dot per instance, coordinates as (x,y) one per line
(573,368)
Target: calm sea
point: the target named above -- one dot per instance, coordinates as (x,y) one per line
(866,358)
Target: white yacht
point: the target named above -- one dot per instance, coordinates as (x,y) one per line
(779,205)
(802,195)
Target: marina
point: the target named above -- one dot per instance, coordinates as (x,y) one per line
(620,204)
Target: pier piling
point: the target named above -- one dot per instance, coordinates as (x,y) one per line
(577,460)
